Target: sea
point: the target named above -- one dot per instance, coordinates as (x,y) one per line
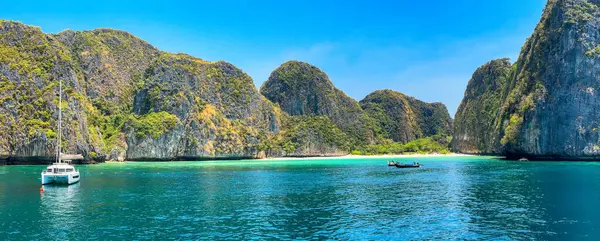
(448,198)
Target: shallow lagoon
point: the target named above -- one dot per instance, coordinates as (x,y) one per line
(449,198)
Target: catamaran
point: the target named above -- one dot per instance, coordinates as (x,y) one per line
(61,171)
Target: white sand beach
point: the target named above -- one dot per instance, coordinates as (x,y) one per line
(374,156)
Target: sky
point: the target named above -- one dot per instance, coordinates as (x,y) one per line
(426,49)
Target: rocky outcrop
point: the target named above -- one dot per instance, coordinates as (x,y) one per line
(433,118)
(31,66)
(111,62)
(395,117)
(123,99)
(210,110)
(403,118)
(475,129)
(302,89)
(549,106)
(308,136)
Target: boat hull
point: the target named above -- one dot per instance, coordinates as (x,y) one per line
(408,166)
(60,178)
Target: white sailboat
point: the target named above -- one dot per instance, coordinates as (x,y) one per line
(61,171)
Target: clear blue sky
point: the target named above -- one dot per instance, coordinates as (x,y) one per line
(427,49)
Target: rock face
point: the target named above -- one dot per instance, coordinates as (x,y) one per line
(209,109)
(31,66)
(549,105)
(475,129)
(123,99)
(302,89)
(110,62)
(403,118)
(303,136)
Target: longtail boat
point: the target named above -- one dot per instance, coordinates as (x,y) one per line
(416,165)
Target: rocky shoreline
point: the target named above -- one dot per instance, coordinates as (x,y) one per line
(38,161)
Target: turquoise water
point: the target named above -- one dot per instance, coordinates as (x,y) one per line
(449,198)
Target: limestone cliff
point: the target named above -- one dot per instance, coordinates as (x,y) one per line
(303,136)
(549,105)
(123,98)
(302,89)
(207,109)
(31,66)
(475,121)
(403,118)
(551,108)
(111,62)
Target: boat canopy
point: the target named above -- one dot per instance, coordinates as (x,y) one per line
(71,156)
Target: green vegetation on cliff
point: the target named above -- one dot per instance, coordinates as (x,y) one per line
(550,103)
(153,124)
(125,99)
(311,136)
(110,62)
(31,66)
(403,118)
(394,116)
(220,112)
(303,89)
(475,122)
(433,118)
(435,144)
(121,95)
(544,105)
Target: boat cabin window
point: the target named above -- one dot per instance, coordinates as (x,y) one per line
(49,170)
(61,170)
(69,170)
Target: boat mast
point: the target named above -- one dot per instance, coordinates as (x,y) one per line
(59,120)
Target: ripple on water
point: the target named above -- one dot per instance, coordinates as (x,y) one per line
(450,198)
